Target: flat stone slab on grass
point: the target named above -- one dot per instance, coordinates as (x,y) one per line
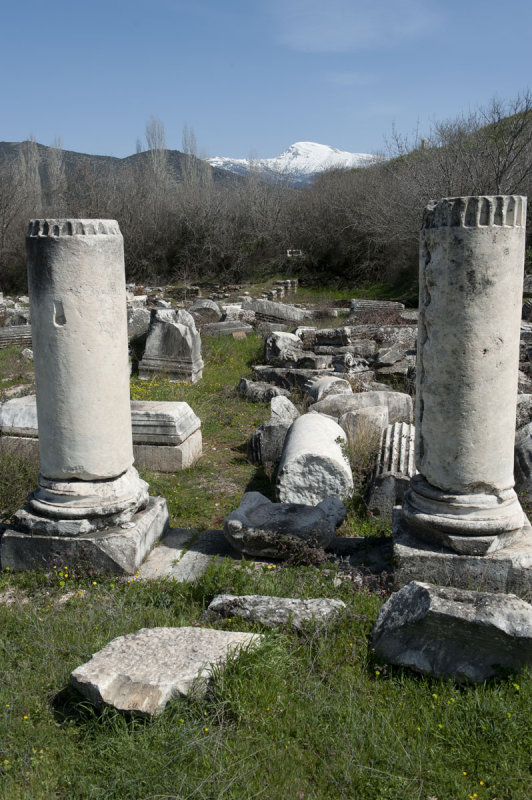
(273,611)
(454,633)
(141,672)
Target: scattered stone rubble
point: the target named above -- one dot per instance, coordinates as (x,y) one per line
(267,441)
(260,391)
(399,404)
(448,529)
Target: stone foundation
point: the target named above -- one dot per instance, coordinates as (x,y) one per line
(117,550)
(506,570)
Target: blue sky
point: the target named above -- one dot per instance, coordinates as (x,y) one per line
(251,78)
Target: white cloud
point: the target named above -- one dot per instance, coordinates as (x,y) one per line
(345,25)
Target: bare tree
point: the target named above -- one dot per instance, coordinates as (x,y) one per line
(13,221)
(56,189)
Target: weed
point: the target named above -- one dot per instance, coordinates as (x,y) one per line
(18,477)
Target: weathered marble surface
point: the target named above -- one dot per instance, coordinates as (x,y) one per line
(471,283)
(313,465)
(141,672)
(274,611)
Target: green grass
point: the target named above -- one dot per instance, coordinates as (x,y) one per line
(18,477)
(404,292)
(305,716)
(15,370)
(202,496)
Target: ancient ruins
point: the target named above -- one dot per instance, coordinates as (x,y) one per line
(461,540)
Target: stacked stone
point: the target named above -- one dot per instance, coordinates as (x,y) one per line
(356,306)
(15,334)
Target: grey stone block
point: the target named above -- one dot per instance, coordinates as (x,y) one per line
(261,528)
(274,611)
(454,633)
(506,570)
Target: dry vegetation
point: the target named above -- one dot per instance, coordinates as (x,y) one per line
(182,221)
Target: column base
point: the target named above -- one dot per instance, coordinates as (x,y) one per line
(118,549)
(508,569)
(94,504)
(469,524)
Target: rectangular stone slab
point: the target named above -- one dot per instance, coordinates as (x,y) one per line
(18,417)
(162,422)
(158,457)
(171,458)
(141,672)
(153,422)
(274,611)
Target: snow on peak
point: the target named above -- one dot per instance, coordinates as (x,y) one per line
(299,163)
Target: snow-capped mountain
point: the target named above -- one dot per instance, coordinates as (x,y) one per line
(298,164)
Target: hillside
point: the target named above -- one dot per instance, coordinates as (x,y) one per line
(109,169)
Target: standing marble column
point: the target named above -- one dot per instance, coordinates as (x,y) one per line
(76,283)
(87,482)
(471,282)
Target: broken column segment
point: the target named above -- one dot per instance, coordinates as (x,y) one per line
(471,279)
(314,465)
(394,468)
(79,326)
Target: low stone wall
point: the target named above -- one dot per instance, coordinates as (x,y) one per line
(15,334)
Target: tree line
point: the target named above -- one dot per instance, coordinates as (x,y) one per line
(184,221)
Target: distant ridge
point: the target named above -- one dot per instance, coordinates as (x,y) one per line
(78,166)
(298,164)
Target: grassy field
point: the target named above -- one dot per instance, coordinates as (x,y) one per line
(404,293)
(309,716)
(15,370)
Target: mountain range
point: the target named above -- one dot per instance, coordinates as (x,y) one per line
(298,164)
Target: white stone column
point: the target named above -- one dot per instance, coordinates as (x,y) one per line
(471,281)
(79,326)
